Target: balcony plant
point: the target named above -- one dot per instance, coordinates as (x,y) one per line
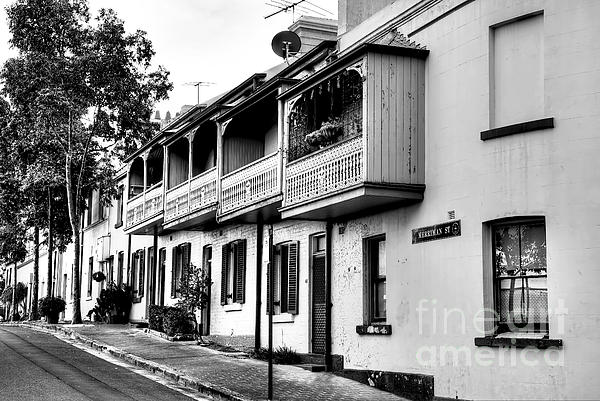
(326,135)
(51,307)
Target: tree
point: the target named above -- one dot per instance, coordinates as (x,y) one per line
(88,89)
(15,298)
(194,285)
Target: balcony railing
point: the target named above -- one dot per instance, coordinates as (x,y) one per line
(324,172)
(250,184)
(192,195)
(145,206)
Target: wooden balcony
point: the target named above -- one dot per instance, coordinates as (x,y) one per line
(192,203)
(253,187)
(332,183)
(144,211)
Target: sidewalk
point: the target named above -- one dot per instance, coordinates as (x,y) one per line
(215,373)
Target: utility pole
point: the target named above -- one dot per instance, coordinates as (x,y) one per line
(270,303)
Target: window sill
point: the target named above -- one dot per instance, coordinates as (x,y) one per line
(136,300)
(283,318)
(534,125)
(374,329)
(517,342)
(232,307)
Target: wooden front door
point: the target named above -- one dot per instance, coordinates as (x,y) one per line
(207,265)
(318,295)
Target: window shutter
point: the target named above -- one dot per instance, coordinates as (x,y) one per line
(240,272)
(174,273)
(268,288)
(142,265)
(293,257)
(186,253)
(224,272)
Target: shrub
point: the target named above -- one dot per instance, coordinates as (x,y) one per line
(115,302)
(51,307)
(285,356)
(281,355)
(156,316)
(177,321)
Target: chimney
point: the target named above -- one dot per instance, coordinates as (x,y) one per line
(314,30)
(353,12)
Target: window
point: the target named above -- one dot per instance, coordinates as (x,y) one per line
(110,276)
(120,206)
(375,280)
(517,78)
(95,210)
(137,274)
(519,276)
(180,264)
(285,279)
(233,272)
(90,272)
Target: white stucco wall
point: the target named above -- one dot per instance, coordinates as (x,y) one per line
(553,173)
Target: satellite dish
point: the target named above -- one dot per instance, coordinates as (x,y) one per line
(286,43)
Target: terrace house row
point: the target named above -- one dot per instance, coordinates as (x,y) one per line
(423,182)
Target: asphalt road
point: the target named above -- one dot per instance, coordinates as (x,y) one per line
(38,366)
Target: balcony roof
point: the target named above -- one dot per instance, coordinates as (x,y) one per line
(396,48)
(285,76)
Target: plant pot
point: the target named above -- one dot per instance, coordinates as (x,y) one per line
(52,318)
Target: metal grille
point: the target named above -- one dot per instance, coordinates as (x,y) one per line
(529,305)
(339,98)
(318,308)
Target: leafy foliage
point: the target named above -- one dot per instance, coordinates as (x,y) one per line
(156,314)
(51,305)
(282,355)
(114,301)
(194,286)
(7,294)
(177,321)
(81,93)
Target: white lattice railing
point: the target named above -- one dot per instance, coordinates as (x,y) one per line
(324,172)
(252,183)
(192,195)
(177,201)
(203,190)
(144,206)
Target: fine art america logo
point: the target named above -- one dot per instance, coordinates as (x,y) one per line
(446,329)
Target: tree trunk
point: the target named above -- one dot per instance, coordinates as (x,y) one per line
(50,246)
(14,295)
(74,219)
(34,314)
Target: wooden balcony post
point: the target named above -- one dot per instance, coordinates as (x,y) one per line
(145,157)
(165,175)
(190,138)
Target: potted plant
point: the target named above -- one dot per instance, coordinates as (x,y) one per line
(51,307)
(113,304)
(326,135)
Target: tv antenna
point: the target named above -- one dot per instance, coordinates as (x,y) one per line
(303,6)
(198,84)
(285,44)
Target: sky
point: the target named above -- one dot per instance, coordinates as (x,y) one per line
(218,41)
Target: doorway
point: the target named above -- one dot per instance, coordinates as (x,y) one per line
(207,266)
(318,295)
(160,284)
